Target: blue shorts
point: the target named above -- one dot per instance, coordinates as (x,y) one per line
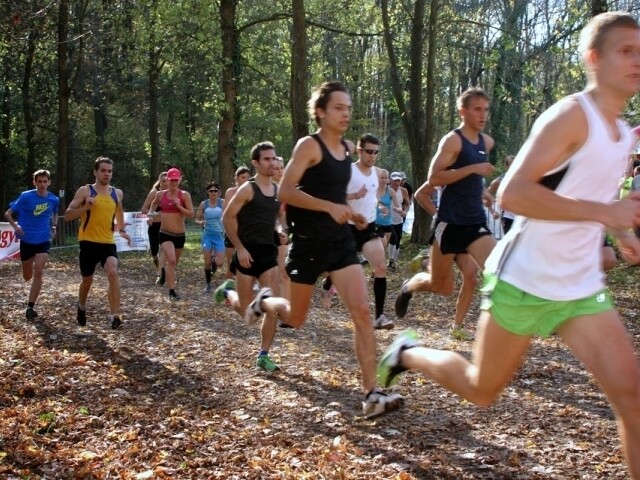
(213,242)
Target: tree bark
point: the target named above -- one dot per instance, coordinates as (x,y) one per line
(154,69)
(422,220)
(5,154)
(27,111)
(154,125)
(299,116)
(413,112)
(227,128)
(64,94)
(508,84)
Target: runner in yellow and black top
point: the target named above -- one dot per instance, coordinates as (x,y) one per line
(99,207)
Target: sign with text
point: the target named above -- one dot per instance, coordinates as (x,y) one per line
(136,226)
(9,242)
(135,223)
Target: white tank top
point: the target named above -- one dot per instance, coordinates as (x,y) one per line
(396,218)
(366,205)
(562,260)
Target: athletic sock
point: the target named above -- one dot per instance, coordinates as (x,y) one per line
(30,304)
(264,352)
(379,292)
(207,275)
(392,249)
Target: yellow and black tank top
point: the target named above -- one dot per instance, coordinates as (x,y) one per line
(96,224)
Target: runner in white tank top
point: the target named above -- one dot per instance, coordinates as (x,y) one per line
(362,196)
(547,272)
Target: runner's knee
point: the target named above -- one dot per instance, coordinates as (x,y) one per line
(360,312)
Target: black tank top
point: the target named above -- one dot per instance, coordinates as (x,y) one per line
(257,219)
(461,201)
(327,180)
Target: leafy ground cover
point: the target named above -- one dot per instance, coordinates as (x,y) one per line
(174,394)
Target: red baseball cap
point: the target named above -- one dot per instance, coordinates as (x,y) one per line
(174,174)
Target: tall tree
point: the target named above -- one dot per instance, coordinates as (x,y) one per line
(153,72)
(299,116)
(27,103)
(508,79)
(5,139)
(230,71)
(64,95)
(412,107)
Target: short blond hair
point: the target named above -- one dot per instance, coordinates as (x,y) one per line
(466,96)
(593,35)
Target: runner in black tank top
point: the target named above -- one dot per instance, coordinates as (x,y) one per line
(327,180)
(314,190)
(250,220)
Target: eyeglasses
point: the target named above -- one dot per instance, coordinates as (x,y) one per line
(213,190)
(370,151)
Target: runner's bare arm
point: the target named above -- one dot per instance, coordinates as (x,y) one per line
(557,134)
(78,205)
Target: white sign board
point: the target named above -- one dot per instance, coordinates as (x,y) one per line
(136,226)
(9,242)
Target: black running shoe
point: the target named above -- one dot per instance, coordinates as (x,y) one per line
(173,296)
(116,322)
(402,301)
(30,313)
(82,317)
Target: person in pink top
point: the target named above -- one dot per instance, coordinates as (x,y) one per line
(176,206)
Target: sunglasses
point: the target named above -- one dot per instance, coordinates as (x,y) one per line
(370,151)
(213,190)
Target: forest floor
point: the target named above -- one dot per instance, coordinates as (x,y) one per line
(174,393)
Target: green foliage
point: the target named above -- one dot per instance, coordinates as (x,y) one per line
(523,53)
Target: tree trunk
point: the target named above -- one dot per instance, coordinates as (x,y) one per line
(422,220)
(99,114)
(154,126)
(299,116)
(27,106)
(505,127)
(227,129)
(413,112)
(169,129)
(5,154)
(64,93)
